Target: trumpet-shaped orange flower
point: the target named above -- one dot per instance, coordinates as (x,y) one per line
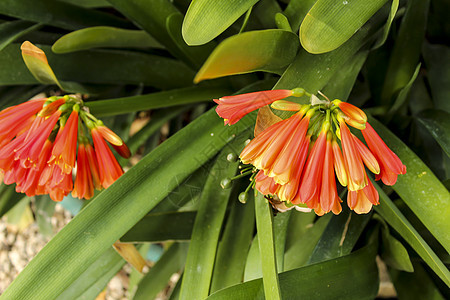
(64,150)
(356,173)
(109,168)
(38,149)
(233,108)
(390,164)
(292,171)
(84,186)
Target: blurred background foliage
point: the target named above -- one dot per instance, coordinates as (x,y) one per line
(151,68)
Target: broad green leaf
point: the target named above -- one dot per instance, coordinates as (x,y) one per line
(265,11)
(10,31)
(342,82)
(437,122)
(234,246)
(402,96)
(417,285)
(205,234)
(265,50)
(340,236)
(157,227)
(44,209)
(419,188)
(280,229)
(266,241)
(299,224)
(437,60)
(115,210)
(92,281)
(205,19)
(195,56)
(319,281)
(88,3)
(154,17)
(8,198)
(157,278)
(96,67)
(186,190)
(387,26)
(253,268)
(155,100)
(394,253)
(330,23)
(59,14)
(157,121)
(298,254)
(296,11)
(313,72)
(405,55)
(282,22)
(393,216)
(103,37)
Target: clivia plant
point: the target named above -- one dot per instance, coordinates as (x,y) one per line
(271,149)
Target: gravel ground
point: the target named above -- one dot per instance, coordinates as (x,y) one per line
(17,248)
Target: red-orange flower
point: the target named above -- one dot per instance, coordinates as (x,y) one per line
(84,186)
(361,201)
(233,108)
(289,173)
(390,165)
(109,168)
(356,173)
(39,149)
(64,150)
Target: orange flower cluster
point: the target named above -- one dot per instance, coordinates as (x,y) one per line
(300,157)
(38,149)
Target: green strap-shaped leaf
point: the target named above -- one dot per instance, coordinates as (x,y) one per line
(330,23)
(205,234)
(157,121)
(394,253)
(402,96)
(206,19)
(103,37)
(394,217)
(115,210)
(416,285)
(266,241)
(296,11)
(158,276)
(59,14)
(437,60)
(280,229)
(265,50)
(159,227)
(154,17)
(437,122)
(234,246)
(89,284)
(95,67)
(387,26)
(419,188)
(340,236)
(319,281)
(170,98)
(10,31)
(298,254)
(406,52)
(313,72)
